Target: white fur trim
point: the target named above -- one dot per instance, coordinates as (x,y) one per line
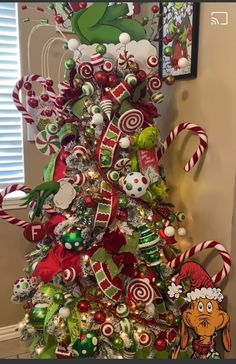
(174,291)
(210,293)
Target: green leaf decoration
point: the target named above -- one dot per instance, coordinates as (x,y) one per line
(137,92)
(74,325)
(114,270)
(34,343)
(161,308)
(184,355)
(131,245)
(180,302)
(52,309)
(100,255)
(49,350)
(103,23)
(78,108)
(162,355)
(142,353)
(49,169)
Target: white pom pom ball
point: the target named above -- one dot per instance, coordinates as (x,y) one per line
(124,38)
(97,119)
(182,231)
(64,312)
(73,44)
(169,231)
(124,143)
(182,62)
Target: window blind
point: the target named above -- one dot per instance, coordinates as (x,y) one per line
(11,139)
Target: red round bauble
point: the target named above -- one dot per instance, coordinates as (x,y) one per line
(141,76)
(100,317)
(82,5)
(83,306)
(132,306)
(101,78)
(34,232)
(48,112)
(60,100)
(88,201)
(27,86)
(122,215)
(59,19)
(112,80)
(30,93)
(145,272)
(44,97)
(155,9)
(32,102)
(160,344)
(49,82)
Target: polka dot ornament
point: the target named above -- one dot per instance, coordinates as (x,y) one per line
(135,184)
(86,345)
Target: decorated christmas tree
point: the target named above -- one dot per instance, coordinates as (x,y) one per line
(106,278)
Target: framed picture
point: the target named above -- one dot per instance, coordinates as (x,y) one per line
(178,32)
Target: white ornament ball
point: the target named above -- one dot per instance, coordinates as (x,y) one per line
(73,44)
(182,62)
(169,231)
(124,143)
(22,286)
(124,38)
(64,312)
(135,184)
(97,119)
(182,231)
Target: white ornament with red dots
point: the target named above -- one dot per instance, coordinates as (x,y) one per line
(135,184)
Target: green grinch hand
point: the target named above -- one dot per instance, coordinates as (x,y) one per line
(39,194)
(178,6)
(183,36)
(171,28)
(103,23)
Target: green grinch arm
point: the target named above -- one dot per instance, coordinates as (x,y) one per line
(93,15)
(114,12)
(132,27)
(75,26)
(103,34)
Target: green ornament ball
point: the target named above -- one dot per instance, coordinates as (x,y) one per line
(58,298)
(178,321)
(122,201)
(101,49)
(159,224)
(171,218)
(45,249)
(65,45)
(105,159)
(145,20)
(72,239)
(69,63)
(37,315)
(168,51)
(86,345)
(180,216)
(89,131)
(118,344)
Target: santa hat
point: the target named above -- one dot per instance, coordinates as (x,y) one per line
(200,281)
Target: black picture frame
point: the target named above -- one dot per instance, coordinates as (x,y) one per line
(194,48)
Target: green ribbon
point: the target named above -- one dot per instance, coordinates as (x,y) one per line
(74,323)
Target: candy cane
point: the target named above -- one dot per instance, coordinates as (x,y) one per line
(201,149)
(43,82)
(217,278)
(3,214)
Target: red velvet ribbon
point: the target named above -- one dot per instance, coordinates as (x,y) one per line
(57,260)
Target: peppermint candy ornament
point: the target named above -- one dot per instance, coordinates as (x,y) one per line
(47,144)
(69,275)
(86,70)
(152,61)
(107,329)
(145,339)
(135,184)
(154,83)
(140,290)
(131,121)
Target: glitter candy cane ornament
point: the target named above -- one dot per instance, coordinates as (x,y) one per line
(217,278)
(201,148)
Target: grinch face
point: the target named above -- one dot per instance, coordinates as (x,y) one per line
(148,138)
(178,6)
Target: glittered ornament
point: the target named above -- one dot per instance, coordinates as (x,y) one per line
(22,286)
(83,306)
(69,63)
(88,201)
(99,317)
(169,80)
(101,49)
(112,81)
(122,215)
(135,184)
(122,201)
(160,344)
(72,239)
(37,315)
(118,344)
(101,78)
(58,298)
(86,345)
(168,51)
(64,312)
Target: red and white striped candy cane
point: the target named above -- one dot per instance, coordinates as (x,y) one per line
(173,134)
(3,214)
(217,278)
(42,81)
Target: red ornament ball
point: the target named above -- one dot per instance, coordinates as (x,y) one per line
(141,76)
(160,344)
(88,201)
(27,86)
(100,317)
(82,5)
(155,9)
(32,102)
(49,83)
(58,19)
(60,100)
(112,80)
(48,112)
(83,306)
(101,78)
(34,232)
(44,97)
(30,93)
(122,215)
